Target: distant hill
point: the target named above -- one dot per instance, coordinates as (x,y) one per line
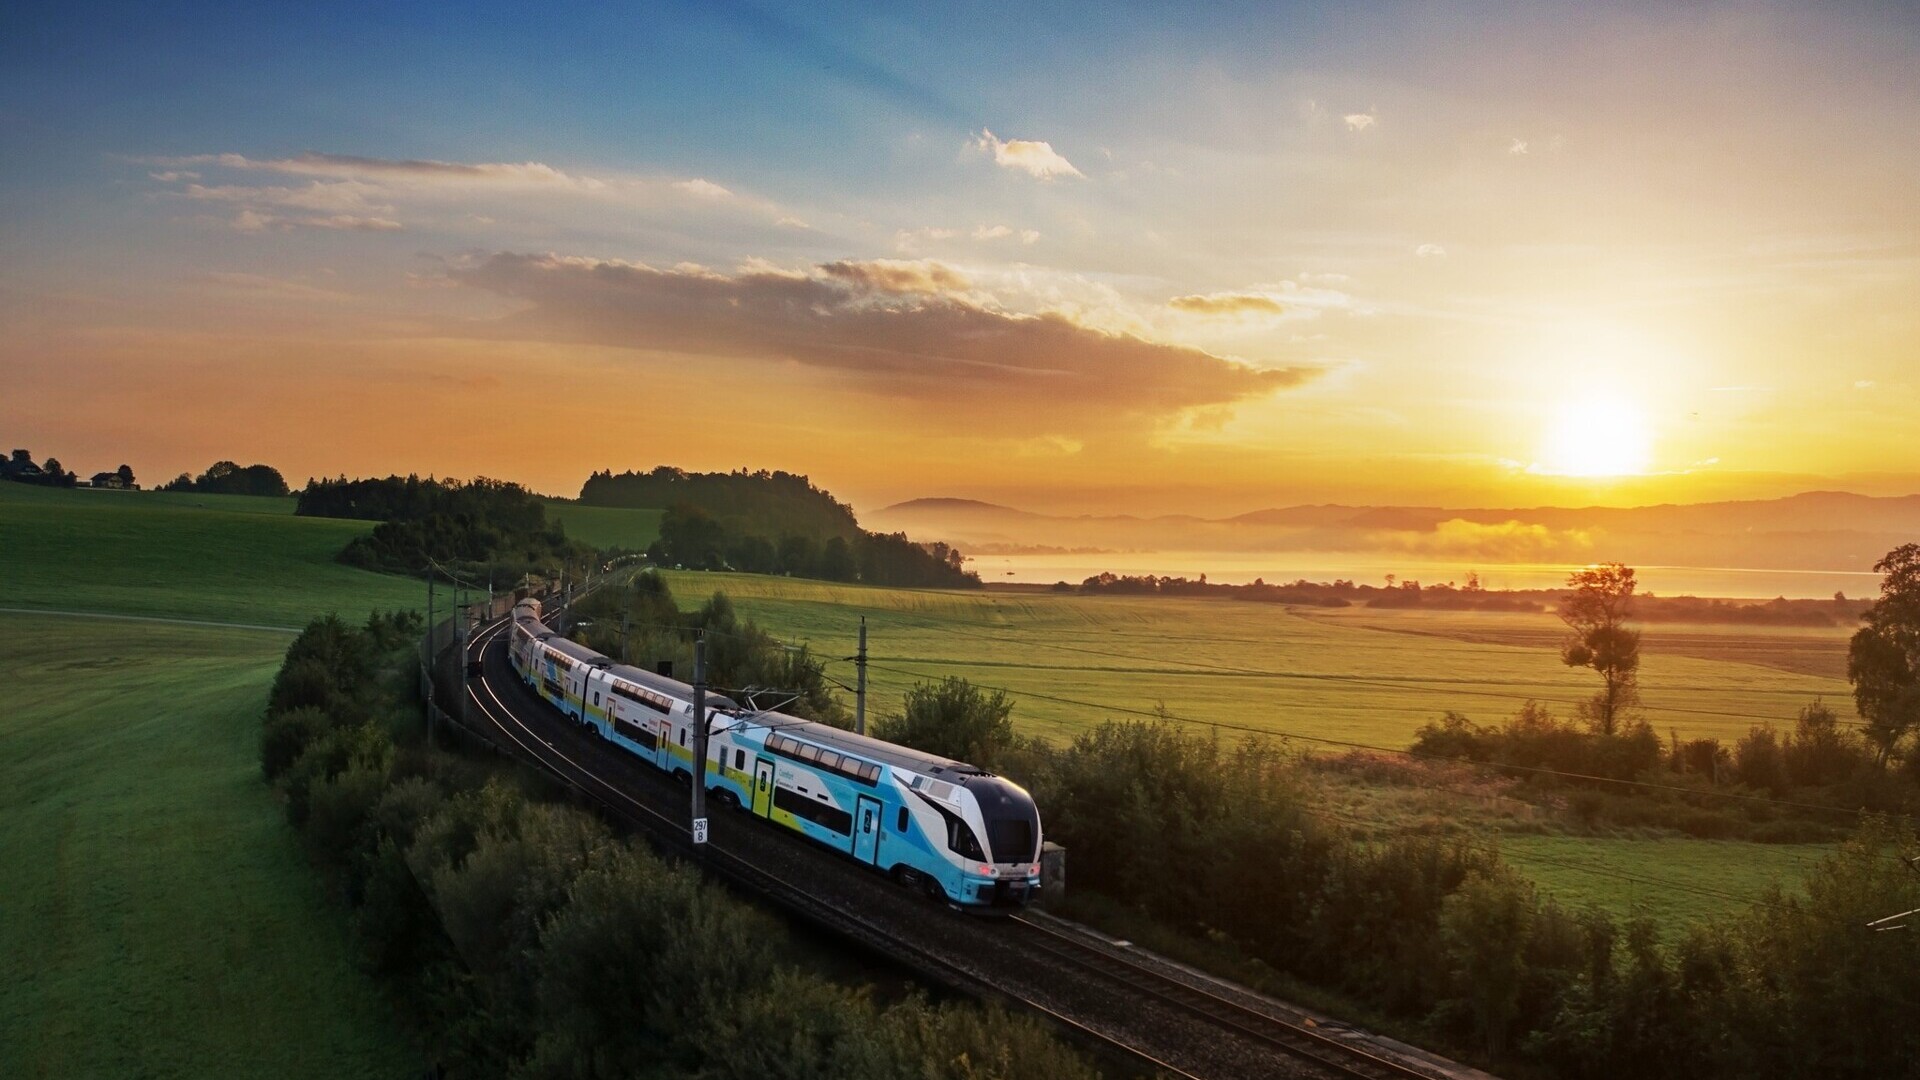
(771,523)
(772,504)
(1816,530)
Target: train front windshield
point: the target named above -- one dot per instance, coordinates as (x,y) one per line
(1013,824)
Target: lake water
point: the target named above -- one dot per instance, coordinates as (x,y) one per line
(1240,568)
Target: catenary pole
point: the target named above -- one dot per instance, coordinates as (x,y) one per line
(699,770)
(429,653)
(860,682)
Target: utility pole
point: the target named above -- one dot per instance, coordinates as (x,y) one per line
(462,621)
(699,743)
(430,654)
(626,617)
(860,682)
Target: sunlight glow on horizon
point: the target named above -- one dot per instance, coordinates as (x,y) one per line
(1596,437)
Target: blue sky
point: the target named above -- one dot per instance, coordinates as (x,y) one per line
(1386,251)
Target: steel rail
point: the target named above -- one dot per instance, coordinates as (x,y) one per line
(1284,1035)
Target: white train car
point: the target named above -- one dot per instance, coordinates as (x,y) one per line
(961,834)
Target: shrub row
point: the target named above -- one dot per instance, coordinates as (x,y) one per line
(1216,841)
(525,939)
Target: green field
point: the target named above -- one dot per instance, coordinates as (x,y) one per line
(159,919)
(607,526)
(1373,678)
(1671,881)
(235,559)
(1363,676)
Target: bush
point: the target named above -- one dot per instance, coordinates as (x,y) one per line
(954,719)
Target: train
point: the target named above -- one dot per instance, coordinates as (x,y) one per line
(964,836)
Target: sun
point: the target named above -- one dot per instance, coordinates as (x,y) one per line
(1596,437)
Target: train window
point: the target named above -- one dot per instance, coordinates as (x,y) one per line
(740,760)
(683,736)
(900,826)
(829,760)
(596,697)
(961,840)
(809,752)
(870,773)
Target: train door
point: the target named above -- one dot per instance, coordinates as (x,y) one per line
(866,828)
(762,787)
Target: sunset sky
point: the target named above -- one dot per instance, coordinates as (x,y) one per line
(1080,258)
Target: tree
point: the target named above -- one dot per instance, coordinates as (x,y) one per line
(1597,613)
(952,718)
(125,473)
(1883,659)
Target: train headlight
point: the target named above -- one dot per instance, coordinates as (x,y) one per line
(989,869)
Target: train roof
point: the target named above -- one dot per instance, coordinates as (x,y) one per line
(665,685)
(579,653)
(866,746)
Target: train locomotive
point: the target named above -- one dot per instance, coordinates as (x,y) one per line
(963,835)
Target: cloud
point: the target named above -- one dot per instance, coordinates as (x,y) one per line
(338,195)
(348,166)
(991,232)
(899,276)
(1864,384)
(1028,236)
(1037,159)
(896,328)
(1430,251)
(1517,146)
(791,223)
(1228,305)
(172,176)
(1360,121)
(705,189)
(249,220)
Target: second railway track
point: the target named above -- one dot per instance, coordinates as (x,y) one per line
(1295,1039)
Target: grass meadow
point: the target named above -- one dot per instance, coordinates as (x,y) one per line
(1072,661)
(160,920)
(233,558)
(607,526)
(157,917)
(1354,675)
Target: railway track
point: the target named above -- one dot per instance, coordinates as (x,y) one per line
(625,807)
(1329,1053)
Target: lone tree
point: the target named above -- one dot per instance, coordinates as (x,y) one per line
(1597,613)
(1883,660)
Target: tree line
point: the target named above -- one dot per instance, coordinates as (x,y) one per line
(1471,595)
(761,502)
(524,938)
(20,468)
(229,478)
(483,527)
(690,537)
(1822,761)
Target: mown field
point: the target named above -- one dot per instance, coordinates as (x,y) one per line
(157,918)
(229,558)
(1073,661)
(607,526)
(1373,678)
